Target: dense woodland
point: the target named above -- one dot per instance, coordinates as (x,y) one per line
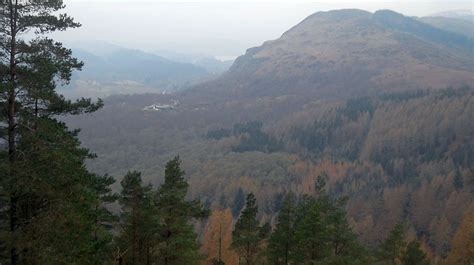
(399,157)
(384,179)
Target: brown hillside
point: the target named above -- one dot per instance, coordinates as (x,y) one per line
(351,52)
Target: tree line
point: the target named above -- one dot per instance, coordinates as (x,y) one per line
(314,230)
(155,225)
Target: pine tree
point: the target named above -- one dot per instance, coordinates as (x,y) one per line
(322,233)
(414,255)
(103,218)
(178,240)
(139,219)
(340,233)
(312,232)
(394,246)
(312,235)
(248,234)
(282,242)
(344,247)
(43,173)
(58,198)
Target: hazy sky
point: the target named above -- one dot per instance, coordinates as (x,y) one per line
(214,27)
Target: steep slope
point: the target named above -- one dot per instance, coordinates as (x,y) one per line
(352,52)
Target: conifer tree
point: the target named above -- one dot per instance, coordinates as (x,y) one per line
(343,245)
(321,231)
(138,235)
(282,242)
(248,234)
(43,176)
(414,255)
(178,241)
(103,218)
(312,235)
(340,233)
(394,246)
(58,198)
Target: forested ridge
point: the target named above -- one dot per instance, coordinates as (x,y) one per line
(386,178)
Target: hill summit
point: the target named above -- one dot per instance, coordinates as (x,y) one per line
(344,53)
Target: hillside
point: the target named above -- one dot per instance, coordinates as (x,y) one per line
(352,52)
(358,97)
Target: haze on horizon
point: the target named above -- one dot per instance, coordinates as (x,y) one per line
(224,28)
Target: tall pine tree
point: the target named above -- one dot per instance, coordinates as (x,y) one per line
(139,219)
(314,230)
(414,255)
(312,235)
(103,218)
(50,193)
(392,249)
(59,198)
(282,242)
(178,241)
(248,234)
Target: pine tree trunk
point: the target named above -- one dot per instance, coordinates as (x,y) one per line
(11,129)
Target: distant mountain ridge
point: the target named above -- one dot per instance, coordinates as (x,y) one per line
(112,69)
(456,25)
(135,65)
(352,52)
(210,63)
(464,14)
(127,71)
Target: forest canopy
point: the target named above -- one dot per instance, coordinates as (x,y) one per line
(288,158)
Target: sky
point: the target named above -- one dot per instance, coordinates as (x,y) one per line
(221,28)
